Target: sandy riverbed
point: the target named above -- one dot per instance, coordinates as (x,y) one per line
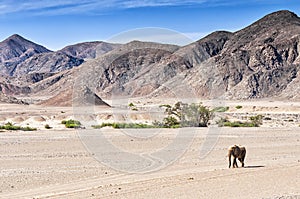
(56,164)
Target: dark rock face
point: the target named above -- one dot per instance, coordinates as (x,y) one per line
(205,48)
(47,63)
(35,77)
(263,57)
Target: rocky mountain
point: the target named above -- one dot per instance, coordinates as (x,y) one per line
(19,57)
(259,61)
(16,46)
(89,50)
(262,59)
(15,50)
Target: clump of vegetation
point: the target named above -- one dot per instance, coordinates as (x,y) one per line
(124,125)
(47,126)
(239,107)
(221,109)
(27,128)
(255,121)
(131,104)
(132,107)
(10,126)
(71,123)
(239,124)
(186,115)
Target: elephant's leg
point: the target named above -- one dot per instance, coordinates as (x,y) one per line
(229,158)
(235,163)
(242,161)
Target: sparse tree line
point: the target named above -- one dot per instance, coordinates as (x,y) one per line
(177,116)
(188,115)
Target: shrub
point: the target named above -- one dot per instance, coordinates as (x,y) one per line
(239,124)
(239,107)
(171,122)
(71,123)
(124,125)
(256,120)
(221,121)
(10,126)
(221,109)
(27,128)
(47,126)
(131,105)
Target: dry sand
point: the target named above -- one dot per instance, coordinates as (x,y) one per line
(55,163)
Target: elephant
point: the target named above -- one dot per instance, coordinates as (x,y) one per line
(236,151)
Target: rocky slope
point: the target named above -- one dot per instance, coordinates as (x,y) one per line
(51,62)
(259,61)
(263,58)
(81,97)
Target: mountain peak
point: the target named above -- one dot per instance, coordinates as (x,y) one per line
(279,17)
(16,38)
(282,14)
(15,48)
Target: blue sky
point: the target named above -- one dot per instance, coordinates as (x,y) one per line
(57,23)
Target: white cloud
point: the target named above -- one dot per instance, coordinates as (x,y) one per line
(58,7)
(72,6)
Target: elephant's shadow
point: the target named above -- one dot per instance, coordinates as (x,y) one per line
(253,166)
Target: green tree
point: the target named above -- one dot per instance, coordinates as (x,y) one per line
(187,115)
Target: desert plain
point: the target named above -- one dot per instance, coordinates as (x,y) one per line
(57,163)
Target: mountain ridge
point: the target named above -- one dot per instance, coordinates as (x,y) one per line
(259,61)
